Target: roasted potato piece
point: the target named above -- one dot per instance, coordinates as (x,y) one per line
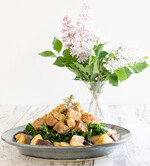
(76,144)
(56,143)
(43,142)
(110,131)
(35,139)
(77,139)
(64,144)
(115,131)
(103,139)
(22,139)
(95,138)
(17,136)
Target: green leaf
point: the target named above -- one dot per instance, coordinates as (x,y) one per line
(75,70)
(78,72)
(128,71)
(146,57)
(92,59)
(138,67)
(121,74)
(66,53)
(95,67)
(44,128)
(77,78)
(59,61)
(93,77)
(80,66)
(57,45)
(102,55)
(113,79)
(47,54)
(29,129)
(86,70)
(98,48)
(68,58)
(89,69)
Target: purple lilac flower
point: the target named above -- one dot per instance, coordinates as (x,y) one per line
(68,32)
(79,38)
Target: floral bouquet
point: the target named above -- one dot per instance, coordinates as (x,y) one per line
(83,54)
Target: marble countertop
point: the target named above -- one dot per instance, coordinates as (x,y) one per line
(136,152)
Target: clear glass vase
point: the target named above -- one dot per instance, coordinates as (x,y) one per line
(95,104)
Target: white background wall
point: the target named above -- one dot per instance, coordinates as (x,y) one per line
(27,27)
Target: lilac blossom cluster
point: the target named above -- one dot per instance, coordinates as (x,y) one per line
(78,38)
(125,54)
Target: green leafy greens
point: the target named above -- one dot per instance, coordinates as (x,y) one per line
(49,134)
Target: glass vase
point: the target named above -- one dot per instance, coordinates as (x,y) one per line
(95,103)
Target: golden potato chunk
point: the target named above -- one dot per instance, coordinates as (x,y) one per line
(77,139)
(76,144)
(60,127)
(34,140)
(22,139)
(115,131)
(81,126)
(95,138)
(17,137)
(64,144)
(103,139)
(56,143)
(110,131)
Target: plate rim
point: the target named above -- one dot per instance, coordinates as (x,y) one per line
(67,147)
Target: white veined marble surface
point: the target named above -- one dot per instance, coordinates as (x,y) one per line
(136,152)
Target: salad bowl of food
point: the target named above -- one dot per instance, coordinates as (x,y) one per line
(67,133)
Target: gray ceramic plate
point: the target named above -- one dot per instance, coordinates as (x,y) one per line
(67,153)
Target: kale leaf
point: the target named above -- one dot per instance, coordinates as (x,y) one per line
(49,134)
(97,129)
(29,129)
